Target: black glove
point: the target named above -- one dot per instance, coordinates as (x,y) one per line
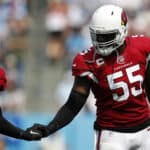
(30,136)
(39,128)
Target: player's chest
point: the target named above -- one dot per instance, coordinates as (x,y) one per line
(119,70)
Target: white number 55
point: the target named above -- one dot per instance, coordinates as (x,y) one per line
(138,79)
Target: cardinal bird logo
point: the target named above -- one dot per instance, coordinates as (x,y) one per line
(124,18)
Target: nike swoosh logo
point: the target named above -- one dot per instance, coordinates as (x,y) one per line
(32,132)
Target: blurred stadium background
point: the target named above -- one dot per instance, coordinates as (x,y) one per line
(38,39)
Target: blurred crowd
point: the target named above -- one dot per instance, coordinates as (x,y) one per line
(67,21)
(66,28)
(13,30)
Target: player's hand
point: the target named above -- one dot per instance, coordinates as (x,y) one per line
(42,129)
(30,136)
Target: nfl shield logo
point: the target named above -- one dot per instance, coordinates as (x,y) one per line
(120,60)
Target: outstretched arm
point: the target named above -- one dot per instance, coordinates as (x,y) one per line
(69,110)
(8,129)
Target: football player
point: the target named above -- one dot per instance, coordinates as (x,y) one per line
(6,127)
(114,69)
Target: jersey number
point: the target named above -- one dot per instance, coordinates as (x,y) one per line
(136,79)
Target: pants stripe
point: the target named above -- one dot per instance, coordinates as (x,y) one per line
(98,141)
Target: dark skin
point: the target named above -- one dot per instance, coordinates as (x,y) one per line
(82,85)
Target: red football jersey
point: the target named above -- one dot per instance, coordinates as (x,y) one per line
(117,83)
(3,80)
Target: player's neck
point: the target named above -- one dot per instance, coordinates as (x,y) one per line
(119,50)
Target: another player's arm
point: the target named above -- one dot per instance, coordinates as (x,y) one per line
(8,129)
(69,110)
(147,81)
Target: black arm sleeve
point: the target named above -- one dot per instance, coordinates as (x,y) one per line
(68,111)
(6,128)
(147,81)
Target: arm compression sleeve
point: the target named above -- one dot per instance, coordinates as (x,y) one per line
(68,111)
(147,80)
(6,128)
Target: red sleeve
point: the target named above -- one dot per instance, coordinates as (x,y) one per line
(79,67)
(3,80)
(144,43)
(82,69)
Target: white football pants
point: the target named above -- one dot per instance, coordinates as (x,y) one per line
(111,140)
